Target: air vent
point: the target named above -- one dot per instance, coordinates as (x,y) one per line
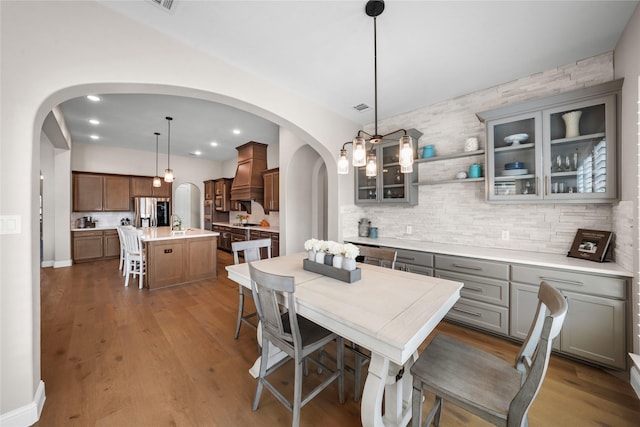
(166,5)
(361,107)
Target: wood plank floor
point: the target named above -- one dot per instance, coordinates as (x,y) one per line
(116,356)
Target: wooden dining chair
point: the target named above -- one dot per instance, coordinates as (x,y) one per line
(251,250)
(134,257)
(295,335)
(484,384)
(123,250)
(377,256)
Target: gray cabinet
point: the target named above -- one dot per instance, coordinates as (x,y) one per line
(389,186)
(484,298)
(560,149)
(594,329)
(414,262)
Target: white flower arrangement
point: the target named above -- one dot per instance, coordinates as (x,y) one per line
(350,250)
(310,245)
(335,248)
(322,246)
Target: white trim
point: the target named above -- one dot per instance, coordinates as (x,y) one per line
(45,264)
(635,373)
(65,263)
(28,414)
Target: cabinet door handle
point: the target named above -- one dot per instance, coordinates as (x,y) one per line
(473,288)
(168,251)
(471,313)
(537,185)
(407,258)
(468,267)
(568,282)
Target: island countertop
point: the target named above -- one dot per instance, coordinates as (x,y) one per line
(152,234)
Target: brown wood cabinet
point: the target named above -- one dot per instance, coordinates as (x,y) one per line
(142,186)
(95,245)
(209,189)
(271,190)
(222,196)
(100,192)
(275,242)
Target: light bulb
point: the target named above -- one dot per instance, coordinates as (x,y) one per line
(359,151)
(168,175)
(343,163)
(405,148)
(372,167)
(157,182)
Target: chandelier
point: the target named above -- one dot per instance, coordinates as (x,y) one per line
(156,178)
(362,157)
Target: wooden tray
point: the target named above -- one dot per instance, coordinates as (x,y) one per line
(331,271)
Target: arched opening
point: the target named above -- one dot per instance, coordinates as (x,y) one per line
(186,204)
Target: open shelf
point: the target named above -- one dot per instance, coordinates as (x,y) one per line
(450,156)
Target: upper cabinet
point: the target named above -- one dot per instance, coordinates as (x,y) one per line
(142,186)
(99,192)
(389,186)
(209,187)
(560,149)
(271,190)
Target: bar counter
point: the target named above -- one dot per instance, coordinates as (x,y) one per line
(178,257)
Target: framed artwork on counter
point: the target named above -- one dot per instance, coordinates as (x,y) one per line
(590,244)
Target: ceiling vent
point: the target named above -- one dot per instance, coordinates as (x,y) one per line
(166,5)
(361,107)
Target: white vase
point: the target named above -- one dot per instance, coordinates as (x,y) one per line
(312,255)
(349,264)
(337,261)
(320,257)
(572,123)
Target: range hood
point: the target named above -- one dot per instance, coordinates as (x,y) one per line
(248,183)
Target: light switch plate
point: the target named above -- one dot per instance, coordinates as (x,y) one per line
(10,224)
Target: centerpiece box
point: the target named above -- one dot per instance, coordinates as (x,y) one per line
(333,272)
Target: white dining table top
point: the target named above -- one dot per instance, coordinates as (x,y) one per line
(388,311)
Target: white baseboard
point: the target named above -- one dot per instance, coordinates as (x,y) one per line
(635,373)
(28,414)
(45,264)
(65,263)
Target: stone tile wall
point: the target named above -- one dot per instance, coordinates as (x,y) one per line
(457,212)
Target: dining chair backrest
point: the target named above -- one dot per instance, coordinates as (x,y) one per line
(251,249)
(269,290)
(378,256)
(533,359)
(132,240)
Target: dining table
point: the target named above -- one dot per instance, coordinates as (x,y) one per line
(389,312)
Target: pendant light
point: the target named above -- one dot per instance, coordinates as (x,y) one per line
(168,173)
(156,178)
(361,157)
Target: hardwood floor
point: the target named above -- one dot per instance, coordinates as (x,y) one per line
(116,356)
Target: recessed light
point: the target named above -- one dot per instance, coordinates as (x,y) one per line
(94,121)
(197,152)
(93,98)
(214,144)
(236,131)
(94,137)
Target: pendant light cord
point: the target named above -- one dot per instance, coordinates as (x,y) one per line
(375,75)
(157,135)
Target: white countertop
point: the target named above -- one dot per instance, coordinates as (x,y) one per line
(503,255)
(108,227)
(152,234)
(270,229)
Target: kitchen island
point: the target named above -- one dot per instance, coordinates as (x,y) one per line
(178,257)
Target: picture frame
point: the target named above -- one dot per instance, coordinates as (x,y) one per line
(591,245)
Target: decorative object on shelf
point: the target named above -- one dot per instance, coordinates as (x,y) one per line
(374,8)
(592,245)
(514,165)
(572,123)
(310,246)
(475,171)
(156,179)
(350,252)
(337,260)
(176,223)
(461,175)
(516,139)
(373,232)
(471,144)
(428,151)
(168,172)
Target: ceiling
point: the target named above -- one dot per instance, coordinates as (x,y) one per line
(428,51)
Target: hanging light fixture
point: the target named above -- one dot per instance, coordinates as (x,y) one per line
(168,173)
(156,178)
(362,157)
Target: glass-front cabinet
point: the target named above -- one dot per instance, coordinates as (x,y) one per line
(560,149)
(389,186)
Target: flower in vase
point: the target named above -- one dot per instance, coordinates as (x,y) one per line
(334,248)
(350,250)
(310,244)
(320,246)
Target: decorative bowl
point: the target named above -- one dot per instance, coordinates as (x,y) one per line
(514,165)
(516,138)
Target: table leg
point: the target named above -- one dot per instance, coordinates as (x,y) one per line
(275,355)
(382,380)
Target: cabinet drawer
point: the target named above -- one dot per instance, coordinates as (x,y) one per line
(481,315)
(479,288)
(417,269)
(586,283)
(472,266)
(423,259)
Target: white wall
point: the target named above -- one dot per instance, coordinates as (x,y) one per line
(47,168)
(91,49)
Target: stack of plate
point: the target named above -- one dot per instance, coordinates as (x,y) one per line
(600,167)
(516,139)
(505,188)
(514,168)
(587,175)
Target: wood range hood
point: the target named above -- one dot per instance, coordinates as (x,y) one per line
(248,183)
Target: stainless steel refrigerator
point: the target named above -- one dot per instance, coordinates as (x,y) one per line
(151,211)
